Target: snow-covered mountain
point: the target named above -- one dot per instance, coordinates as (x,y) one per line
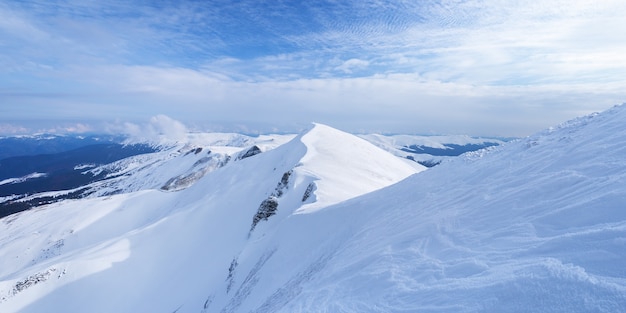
(12,146)
(199,229)
(430,150)
(98,165)
(330,223)
(111,168)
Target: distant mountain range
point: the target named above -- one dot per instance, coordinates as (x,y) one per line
(326,221)
(43,163)
(431,150)
(50,143)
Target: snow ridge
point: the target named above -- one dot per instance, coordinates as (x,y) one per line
(188,237)
(535,225)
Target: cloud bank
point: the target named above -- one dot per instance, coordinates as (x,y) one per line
(160,130)
(480,67)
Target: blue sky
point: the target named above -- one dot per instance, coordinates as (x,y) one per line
(490,67)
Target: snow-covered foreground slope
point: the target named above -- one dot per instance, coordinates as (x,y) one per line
(537,225)
(154,251)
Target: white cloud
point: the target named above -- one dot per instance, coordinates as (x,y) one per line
(351,65)
(10,129)
(450,66)
(161,129)
(76,128)
(385,102)
(168,127)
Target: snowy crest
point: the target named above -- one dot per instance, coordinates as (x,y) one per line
(343,166)
(535,225)
(227,186)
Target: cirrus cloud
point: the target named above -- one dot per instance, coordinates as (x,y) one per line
(490,67)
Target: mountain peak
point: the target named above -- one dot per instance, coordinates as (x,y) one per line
(536,224)
(346,166)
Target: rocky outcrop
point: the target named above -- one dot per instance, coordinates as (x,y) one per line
(254,150)
(197,171)
(269,206)
(308,192)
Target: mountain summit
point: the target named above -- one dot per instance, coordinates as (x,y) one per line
(190,227)
(318,225)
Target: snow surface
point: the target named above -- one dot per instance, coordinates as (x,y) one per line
(217,139)
(394,141)
(397,144)
(22,179)
(346,166)
(112,253)
(178,165)
(535,225)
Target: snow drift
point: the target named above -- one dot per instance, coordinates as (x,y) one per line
(112,253)
(534,225)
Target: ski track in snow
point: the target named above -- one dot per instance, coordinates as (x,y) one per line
(537,225)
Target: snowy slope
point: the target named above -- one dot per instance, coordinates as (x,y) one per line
(21,179)
(536,225)
(427,141)
(171,165)
(430,150)
(178,165)
(346,166)
(159,251)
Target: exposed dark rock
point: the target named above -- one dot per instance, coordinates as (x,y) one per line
(267,208)
(231,275)
(194,151)
(282,185)
(429,163)
(31,280)
(309,190)
(254,150)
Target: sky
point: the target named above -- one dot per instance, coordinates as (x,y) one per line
(488,67)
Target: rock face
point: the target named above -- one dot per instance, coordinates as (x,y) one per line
(308,192)
(282,184)
(254,150)
(200,168)
(267,208)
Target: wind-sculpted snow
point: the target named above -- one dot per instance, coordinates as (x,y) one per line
(534,225)
(537,225)
(191,250)
(344,166)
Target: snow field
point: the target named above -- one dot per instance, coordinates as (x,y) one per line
(535,225)
(138,245)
